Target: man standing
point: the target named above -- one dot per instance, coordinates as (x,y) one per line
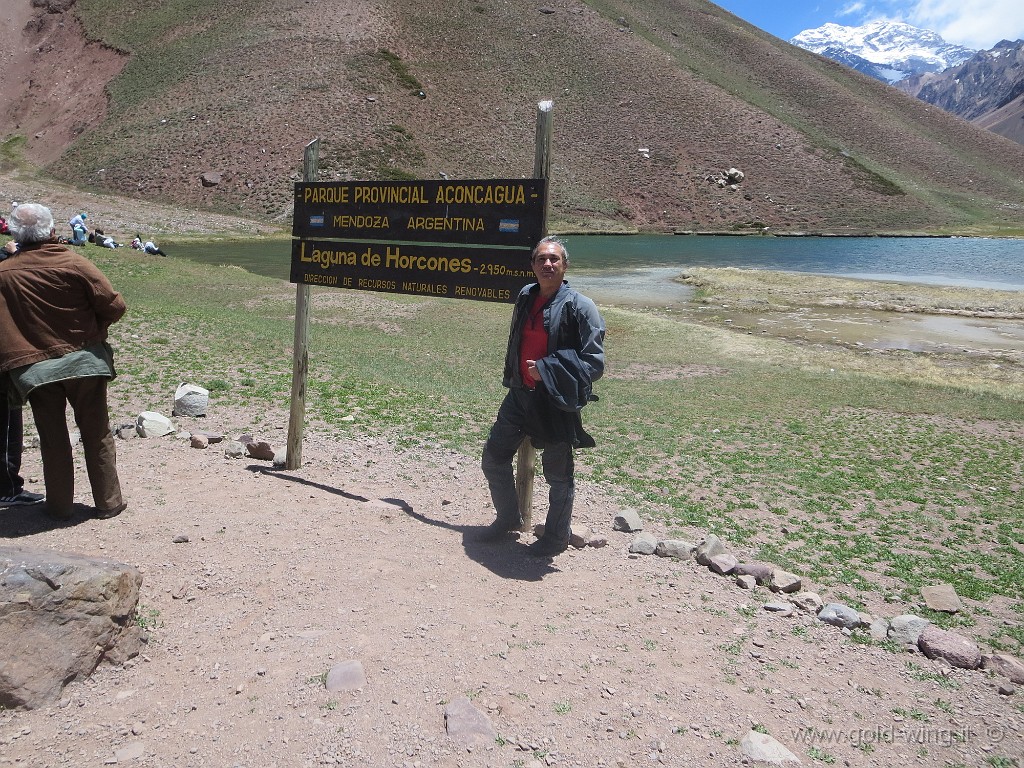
(555,353)
(12,486)
(55,309)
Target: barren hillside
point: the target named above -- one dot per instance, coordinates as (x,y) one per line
(398,90)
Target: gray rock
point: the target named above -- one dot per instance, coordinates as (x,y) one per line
(1005,665)
(466,725)
(122,431)
(210,178)
(839,615)
(598,541)
(60,617)
(906,629)
(779,608)
(711,546)
(190,400)
(346,676)
(762,748)
(644,544)
(723,565)
(579,535)
(942,597)
(879,629)
(735,175)
(784,581)
(936,643)
(153,424)
(762,572)
(628,520)
(809,602)
(746,582)
(234,449)
(677,548)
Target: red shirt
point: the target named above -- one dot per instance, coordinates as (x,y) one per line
(534,344)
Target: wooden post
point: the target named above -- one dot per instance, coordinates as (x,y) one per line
(526,457)
(300,348)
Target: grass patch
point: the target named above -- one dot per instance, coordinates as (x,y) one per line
(875,482)
(401,71)
(12,152)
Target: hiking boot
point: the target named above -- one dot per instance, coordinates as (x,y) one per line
(22,499)
(499,530)
(547,547)
(106,514)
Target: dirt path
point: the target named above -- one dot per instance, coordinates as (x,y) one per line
(599,658)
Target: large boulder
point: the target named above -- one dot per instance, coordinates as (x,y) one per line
(153,424)
(60,616)
(191,400)
(959,651)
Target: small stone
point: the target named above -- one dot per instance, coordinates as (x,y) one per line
(746,582)
(644,544)
(783,581)
(628,520)
(942,597)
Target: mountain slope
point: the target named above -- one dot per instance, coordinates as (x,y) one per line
(451,87)
(986,89)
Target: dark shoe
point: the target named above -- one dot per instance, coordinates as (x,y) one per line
(23,499)
(499,530)
(106,514)
(545,547)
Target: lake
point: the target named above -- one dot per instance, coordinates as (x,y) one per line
(638,270)
(645,264)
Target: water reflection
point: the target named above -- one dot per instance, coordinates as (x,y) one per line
(646,287)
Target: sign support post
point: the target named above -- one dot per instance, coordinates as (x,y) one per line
(300,347)
(526,457)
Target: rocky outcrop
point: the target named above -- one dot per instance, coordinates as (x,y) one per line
(60,617)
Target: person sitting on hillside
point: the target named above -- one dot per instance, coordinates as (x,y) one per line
(148,246)
(102,240)
(78,229)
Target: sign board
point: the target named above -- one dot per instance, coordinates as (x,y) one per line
(461,239)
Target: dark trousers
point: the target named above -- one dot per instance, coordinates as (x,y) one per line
(11,436)
(88,399)
(557,462)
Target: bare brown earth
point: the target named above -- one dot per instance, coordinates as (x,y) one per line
(367,552)
(653,102)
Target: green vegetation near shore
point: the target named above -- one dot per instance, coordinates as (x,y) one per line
(867,479)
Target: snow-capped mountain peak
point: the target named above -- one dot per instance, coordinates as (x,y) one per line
(888,50)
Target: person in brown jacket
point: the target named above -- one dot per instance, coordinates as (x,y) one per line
(55,309)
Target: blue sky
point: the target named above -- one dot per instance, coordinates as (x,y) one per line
(973,23)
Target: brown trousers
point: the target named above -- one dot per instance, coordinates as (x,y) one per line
(88,399)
